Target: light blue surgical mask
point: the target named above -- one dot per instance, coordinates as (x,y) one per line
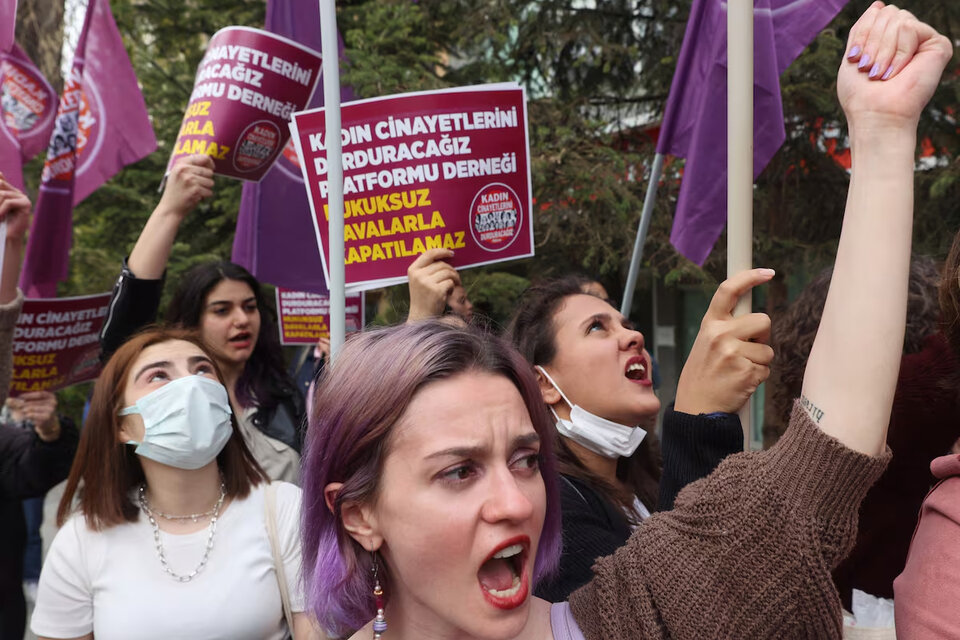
(186,422)
(604,437)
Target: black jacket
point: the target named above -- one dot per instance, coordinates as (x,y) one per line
(593,527)
(135,304)
(29,467)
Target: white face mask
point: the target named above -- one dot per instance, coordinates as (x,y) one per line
(604,437)
(186,422)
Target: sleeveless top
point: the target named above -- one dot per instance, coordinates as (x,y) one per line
(562,622)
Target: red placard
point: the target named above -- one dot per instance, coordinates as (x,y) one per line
(247,86)
(305,317)
(424,170)
(56,342)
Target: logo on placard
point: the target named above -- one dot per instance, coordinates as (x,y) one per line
(495,217)
(25,99)
(289,163)
(87,364)
(290,153)
(76,130)
(257,145)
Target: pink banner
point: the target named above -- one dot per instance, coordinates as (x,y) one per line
(248,85)
(100,127)
(27,106)
(424,170)
(56,342)
(305,317)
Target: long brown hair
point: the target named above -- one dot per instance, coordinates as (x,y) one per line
(109,469)
(533,331)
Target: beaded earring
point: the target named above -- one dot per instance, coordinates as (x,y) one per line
(380,622)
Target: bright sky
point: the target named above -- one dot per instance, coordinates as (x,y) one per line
(73,11)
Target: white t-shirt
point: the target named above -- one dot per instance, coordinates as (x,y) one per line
(111,582)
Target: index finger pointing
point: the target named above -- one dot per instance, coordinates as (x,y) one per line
(731,289)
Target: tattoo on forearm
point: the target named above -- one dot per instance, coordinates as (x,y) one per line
(815,412)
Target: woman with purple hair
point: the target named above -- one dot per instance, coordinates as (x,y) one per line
(430,493)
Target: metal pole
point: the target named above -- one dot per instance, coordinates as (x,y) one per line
(740,156)
(641,238)
(331,108)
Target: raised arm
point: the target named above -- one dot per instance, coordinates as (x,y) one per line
(431,281)
(189,182)
(728,361)
(136,294)
(747,552)
(893,65)
(15,209)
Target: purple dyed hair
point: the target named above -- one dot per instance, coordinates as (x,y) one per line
(359,400)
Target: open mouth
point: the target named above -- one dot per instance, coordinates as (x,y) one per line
(503,577)
(240,340)
(638,370)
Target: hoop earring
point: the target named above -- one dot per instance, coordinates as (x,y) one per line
(379,622)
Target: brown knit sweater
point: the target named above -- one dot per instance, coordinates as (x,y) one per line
(745,553)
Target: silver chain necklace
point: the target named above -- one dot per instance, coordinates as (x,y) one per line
(193,516)
(145,507)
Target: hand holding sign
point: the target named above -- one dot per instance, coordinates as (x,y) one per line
(730,357)
(190,181)
(14,209)
(431,282)
(40,409)
(14,222)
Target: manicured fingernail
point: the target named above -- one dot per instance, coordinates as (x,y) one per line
(864,61)
(887,73)
(874,70)
(853,52)
(768,272)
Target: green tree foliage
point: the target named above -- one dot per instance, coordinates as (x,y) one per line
(597,75)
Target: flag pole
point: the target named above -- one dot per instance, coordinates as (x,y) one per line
(331,108)
(740,156)
(655,171)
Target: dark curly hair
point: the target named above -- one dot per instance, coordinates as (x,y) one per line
(794,331)
(949,295)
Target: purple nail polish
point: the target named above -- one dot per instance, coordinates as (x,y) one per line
(864,61)
(874,70)
(853,52)
(887,73)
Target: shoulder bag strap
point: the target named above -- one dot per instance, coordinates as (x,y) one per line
(270,507)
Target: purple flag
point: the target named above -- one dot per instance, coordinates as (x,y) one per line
(27,106)
(8,24)
(275,238)
(695,118)
(101,126)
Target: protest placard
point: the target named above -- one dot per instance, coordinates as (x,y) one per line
(424,170)
(56,342)
(305,317)
(247,86)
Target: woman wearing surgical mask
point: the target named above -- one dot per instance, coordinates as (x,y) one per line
(226,305)
(596,377)
(170,539)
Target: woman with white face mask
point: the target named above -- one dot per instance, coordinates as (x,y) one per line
(170,539)
(596,377)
